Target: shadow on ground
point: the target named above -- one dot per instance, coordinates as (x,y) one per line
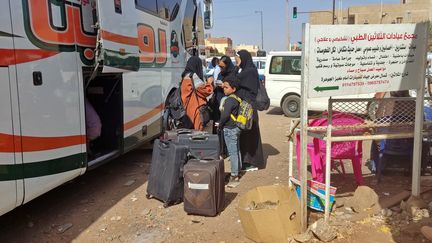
(79,202)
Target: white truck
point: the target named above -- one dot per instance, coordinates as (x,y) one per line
(122,56)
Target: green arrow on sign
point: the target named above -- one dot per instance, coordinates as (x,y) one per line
(326,88)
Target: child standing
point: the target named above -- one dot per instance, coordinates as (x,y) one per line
(229,106)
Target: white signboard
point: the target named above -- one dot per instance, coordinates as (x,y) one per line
(361,59)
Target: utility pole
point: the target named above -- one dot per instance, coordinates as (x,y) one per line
(333,13)
(287,25)
(381,12)
(262,29)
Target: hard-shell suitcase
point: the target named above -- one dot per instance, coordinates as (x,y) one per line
(204,187)
(165,181)
(172,135)
(201,146)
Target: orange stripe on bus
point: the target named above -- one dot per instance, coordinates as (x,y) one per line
(10,143)
(143,118)
(133,41)
(17,56)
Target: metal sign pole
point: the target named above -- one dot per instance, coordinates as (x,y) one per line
(328,162)
(418,127)
(303,126)
(290,153)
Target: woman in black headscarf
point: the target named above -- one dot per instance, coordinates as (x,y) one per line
(226,68)
(250,141)
(194,91)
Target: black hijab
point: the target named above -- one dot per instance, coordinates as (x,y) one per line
(229,66)
(194,65)
(214,62)
(246,59)
(249,81)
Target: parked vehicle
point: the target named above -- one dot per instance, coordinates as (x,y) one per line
(283,84)
(124,57)
(260,63)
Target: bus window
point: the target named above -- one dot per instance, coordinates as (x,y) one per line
(168,9)
(188,24)
(289,65)
(147,5)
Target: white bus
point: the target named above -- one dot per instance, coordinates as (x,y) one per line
(122,56)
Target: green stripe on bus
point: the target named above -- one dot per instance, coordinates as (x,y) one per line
(42,168)
(127,61)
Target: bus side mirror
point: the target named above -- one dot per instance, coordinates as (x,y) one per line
(208,14)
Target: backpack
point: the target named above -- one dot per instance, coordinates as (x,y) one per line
(262,100)
(244,116)
(176,110)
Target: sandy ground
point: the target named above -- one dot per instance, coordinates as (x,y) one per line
(108,204)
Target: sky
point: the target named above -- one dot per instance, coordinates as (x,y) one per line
(237,19)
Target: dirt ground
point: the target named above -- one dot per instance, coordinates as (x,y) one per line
(108,204)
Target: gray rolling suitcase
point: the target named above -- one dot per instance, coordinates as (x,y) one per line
(165,181)
(204,187)
(202,145)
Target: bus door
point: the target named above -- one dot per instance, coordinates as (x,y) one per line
(11,186)
(48,92)
(135,36)
(117,36)
(10,171)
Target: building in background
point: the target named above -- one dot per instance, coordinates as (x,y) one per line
(408,11)
(218,46)
(253,49)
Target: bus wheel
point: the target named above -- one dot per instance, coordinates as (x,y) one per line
(291,106)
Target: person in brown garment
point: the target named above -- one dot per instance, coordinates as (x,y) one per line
(194,91)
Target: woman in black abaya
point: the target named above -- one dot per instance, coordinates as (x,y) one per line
(250,141)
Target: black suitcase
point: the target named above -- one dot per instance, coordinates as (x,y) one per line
(172,135)
(165,181)
(201,146)
(204,187)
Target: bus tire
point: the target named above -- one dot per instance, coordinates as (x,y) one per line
(291,106)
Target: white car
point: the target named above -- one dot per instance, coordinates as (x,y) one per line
(283,84)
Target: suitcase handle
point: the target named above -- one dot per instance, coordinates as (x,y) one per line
(183,131)
(163,144)
(207,160)
(199,137)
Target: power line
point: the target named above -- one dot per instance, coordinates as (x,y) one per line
(234,17)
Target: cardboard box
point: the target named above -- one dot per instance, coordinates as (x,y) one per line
(270,213)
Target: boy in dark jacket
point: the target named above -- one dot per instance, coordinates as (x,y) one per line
(229,107)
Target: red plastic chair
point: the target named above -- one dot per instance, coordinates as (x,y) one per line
(339,151)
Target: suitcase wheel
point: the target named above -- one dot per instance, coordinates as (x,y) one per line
(148,196)
(166,204)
